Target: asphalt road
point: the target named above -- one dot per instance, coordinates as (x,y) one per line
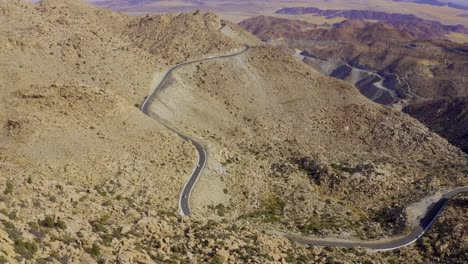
(381,245)
(184,198)
(390,243)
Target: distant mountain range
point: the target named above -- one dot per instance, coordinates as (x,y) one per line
(412,24)
(387,63)
(435,3)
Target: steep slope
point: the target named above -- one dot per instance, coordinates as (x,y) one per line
(267,28)
(388,65)
(71,75)
(377,48)
(87,178)
(296,171)
(88,61)
(447,117)
(270,27)
(454,222)
(176,38)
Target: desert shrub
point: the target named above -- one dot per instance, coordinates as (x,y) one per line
(3,260)
(216,260)
(61,224)
(9,214)
(107,203)
(392,219)
(168,213)
(49,222)
(221,210)
(100,190)
(95,250)
(13,233)
(107,239)
(273,204)
(99,227)
(271,209)
(27,249)
(9,188)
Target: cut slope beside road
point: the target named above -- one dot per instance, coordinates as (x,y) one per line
(392,243)
(389,244)
(184,198)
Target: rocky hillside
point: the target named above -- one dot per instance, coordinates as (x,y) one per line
(270,28)
(417,27)
(265,27)
(294,173)
(87,178)
(388,65)
(447,117)
(439,248)
(411,67)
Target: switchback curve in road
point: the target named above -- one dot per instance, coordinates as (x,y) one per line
(389,243)
(380,245)
(184,197)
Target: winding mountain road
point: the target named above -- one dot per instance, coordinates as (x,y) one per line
(381,245)
(184,198)
(390,243)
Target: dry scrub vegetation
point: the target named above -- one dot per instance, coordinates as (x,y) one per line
(85,177)
(302,150)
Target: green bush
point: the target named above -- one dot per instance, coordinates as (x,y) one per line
(99,227)
(49,222)
(107,239)
(216,260)
(95,250)
(10,228)
(330,260)
(274,205)
(107,203)
(9,188)
(26,248)
(221,210)
(100,190)
(271,209)
(12,215)
(61,224)
(168,213)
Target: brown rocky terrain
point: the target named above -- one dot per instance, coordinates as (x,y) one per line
(85,177)
(270,28)
(447,117)
(239,10)
(417,27)
(324,150)
(387,64)
(436,247)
